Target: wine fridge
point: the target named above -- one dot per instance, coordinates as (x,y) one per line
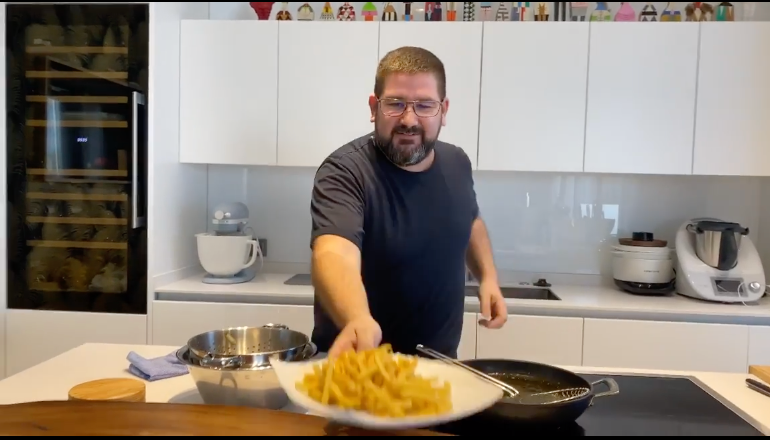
(76,156)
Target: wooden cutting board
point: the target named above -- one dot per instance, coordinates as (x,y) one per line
(763,373)
(143,419)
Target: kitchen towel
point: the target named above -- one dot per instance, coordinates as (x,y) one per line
(160,368)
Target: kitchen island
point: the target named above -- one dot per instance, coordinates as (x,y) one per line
(51,381)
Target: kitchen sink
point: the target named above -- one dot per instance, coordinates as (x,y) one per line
(518,293)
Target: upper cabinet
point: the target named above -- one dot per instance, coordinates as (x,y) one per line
(326,76)
(642,80)
(458,45)
(228,94)
(533,92)
(732,126)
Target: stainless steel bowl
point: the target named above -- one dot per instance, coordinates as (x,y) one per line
(247,347)
(236,383)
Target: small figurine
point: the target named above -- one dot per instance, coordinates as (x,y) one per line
(284,14)
(649,13)
(263,9)
(502,12)
(578,11)
(626,12)
(433,11)
(542,13)
(408,11)
(486,10)
(451,12)
(369,11)
(699,11)
(602,12)
(389,12)
(469,11)
(305,13)
(671,13)
(560,11)
(327,13)
(346,12)
(519,11)
(725,12)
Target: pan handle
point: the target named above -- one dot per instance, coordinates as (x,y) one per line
(610,383)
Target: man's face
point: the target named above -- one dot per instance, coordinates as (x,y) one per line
(408,117)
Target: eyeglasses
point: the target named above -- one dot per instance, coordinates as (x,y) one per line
(397,107)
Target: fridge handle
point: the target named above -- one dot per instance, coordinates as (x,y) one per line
(136,220)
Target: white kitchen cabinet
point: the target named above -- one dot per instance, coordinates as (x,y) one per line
(732,132)
(35,336)
(458,45)
(642,81)
(175,322)
(227,92)
(326,76)
(665,345)
(533,96)
(546,339)
(2,344)
(759,345)
(467,348)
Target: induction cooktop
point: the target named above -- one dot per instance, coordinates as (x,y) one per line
(651,406)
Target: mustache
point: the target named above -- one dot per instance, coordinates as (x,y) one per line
(403,129)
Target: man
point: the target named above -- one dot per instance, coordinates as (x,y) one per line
(395,222)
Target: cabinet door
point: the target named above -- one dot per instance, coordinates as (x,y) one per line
(533,96)
(546,339)
(458,45)
(467,348)
(653,345)
(228,92)
(175,322)
(52,333)
(326,76)
(2,344)
(731,129)
(641,98)
(759,345)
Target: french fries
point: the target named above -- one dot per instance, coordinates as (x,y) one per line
(378,382)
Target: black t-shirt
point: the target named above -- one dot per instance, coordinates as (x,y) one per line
(413,230)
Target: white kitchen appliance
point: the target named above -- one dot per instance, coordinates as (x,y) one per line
(642,265)
(717,261)
(228,253)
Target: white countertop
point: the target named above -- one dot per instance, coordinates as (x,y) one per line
(53,379)
(580,301)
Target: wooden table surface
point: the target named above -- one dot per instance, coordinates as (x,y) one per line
(134,419)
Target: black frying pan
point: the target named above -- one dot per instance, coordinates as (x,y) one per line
(531,377)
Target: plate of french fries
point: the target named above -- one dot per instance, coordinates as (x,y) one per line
(379,389)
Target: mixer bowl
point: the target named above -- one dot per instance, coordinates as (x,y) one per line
(226,255)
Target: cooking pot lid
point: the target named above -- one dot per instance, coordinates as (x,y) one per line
(714,226)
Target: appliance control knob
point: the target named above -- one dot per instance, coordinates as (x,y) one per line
(755,287)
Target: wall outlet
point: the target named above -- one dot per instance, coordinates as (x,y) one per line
(263,246)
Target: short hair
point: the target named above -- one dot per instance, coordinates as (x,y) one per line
(410,60)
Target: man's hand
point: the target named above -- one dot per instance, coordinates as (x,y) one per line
(494,312)
(360,334)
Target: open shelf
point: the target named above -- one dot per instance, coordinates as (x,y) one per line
(76,173)
(45,50)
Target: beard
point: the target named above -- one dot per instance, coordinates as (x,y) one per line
(406,152)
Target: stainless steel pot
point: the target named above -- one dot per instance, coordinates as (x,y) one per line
(247,347)
(241,383)
(717,243)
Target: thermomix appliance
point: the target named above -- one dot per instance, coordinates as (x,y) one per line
(717,261)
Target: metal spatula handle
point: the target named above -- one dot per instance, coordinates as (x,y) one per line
(513,392)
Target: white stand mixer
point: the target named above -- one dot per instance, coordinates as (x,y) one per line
(228,253)
(717,261)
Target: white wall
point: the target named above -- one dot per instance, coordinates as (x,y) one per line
(177,201)
(539,222)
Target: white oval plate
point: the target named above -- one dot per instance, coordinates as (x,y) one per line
(470,395)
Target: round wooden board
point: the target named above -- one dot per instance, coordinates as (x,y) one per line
(166,419)
(116,390)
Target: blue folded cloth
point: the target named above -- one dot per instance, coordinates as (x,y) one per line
(160,368)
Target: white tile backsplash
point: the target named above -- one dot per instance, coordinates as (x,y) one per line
(538,222)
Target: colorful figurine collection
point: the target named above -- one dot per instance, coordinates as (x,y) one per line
(504,11)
